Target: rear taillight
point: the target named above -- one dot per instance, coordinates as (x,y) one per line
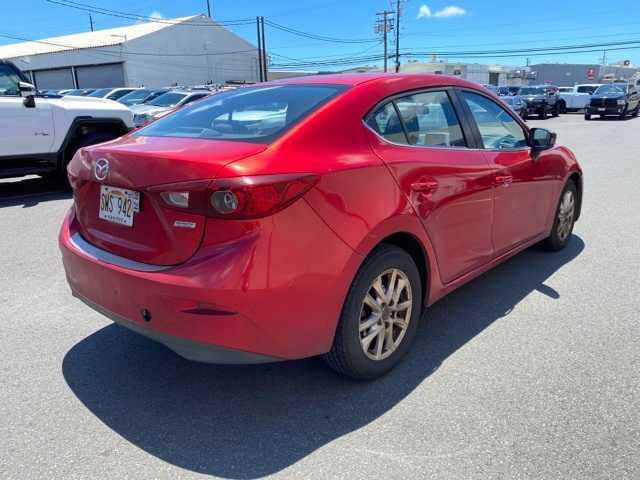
(236,198)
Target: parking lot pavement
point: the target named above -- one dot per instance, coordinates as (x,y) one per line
(531,371)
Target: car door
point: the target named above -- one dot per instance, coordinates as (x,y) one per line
(448,184)
(523,185)
(23,130)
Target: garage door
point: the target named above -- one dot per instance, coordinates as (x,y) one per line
(50,79)
(100,76)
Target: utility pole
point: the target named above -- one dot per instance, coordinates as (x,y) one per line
(398,13)
(91,22)
(260,69)
(384,25)
(208,8)
(604,57)
(265,61)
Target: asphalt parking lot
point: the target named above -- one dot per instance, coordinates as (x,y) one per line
(531,371)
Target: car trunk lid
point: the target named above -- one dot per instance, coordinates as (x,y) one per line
(136,167)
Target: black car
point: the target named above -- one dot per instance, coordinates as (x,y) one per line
(541,100)
(615,99)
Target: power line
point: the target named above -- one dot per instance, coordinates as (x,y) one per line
(134,16)
(323,38)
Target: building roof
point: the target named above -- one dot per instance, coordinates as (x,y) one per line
(99,38)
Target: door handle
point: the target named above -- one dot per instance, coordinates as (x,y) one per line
(504,180)
(426,186)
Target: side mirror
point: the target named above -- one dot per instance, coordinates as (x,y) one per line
(541,139)
(26,89)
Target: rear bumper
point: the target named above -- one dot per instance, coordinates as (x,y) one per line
(263,297)
(189,349)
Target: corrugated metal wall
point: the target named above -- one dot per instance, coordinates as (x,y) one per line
(100,76)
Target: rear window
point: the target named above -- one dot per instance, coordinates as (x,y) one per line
(247,114)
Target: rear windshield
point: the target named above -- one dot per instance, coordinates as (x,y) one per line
(532,91)
(169,99)
(248,114)
(100,93)
(135,96)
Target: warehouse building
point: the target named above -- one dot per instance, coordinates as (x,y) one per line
(475,72)
(183,51)
(569,74)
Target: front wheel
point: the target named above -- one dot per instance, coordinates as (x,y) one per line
(587,116)
(557,109)
(543,113)
(565,218)
(380,316)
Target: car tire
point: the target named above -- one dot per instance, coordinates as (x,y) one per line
(558,109)
(523,114)
(636,111)
(564,219)
(543,113)
(364,350)
(587,116)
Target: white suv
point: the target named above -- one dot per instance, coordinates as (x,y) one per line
(40,134)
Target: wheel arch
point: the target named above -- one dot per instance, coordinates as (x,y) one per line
(414,247)
(576,178)
(81,126)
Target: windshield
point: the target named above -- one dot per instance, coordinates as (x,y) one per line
(169,99)
(249,114)
(586,89)
(9,81)
(134,97)
(532,91)
(615,88)
(101,92)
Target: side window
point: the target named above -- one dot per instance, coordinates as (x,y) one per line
(9,81)
(430,120)
(498,129)
(384,120)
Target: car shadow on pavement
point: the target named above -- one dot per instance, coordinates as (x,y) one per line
(30,191)
(245,422)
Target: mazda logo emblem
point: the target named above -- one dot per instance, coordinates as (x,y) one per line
(101,169)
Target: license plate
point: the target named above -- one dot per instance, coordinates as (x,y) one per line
(118,205)
(601,109)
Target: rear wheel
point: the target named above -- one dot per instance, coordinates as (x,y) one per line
(565,218)
(380,316)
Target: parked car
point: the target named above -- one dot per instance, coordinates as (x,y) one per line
(516,103)
(326,233)
(576,97)
(541,100)
(615,99)
(509,90)
(112,93)
(164,104)
(40,134)
(135,97)
(80,92)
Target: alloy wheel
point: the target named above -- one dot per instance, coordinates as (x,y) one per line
(385,314)
(565,215)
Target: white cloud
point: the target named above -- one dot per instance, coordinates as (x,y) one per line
(446,12)
(450,11)
(424,12)
(156,15)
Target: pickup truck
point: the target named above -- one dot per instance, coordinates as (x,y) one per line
(577,97)
(39,134)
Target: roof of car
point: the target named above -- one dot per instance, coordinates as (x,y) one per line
(353,79)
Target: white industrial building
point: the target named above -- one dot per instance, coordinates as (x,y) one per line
(183,51)
(475,72)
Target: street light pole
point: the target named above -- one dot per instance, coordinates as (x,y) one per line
(208,8)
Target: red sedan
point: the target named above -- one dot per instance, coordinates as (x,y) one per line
(312,216)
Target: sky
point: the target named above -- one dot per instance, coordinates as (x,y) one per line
(427,27)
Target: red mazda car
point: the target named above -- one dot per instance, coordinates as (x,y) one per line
(311,216)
